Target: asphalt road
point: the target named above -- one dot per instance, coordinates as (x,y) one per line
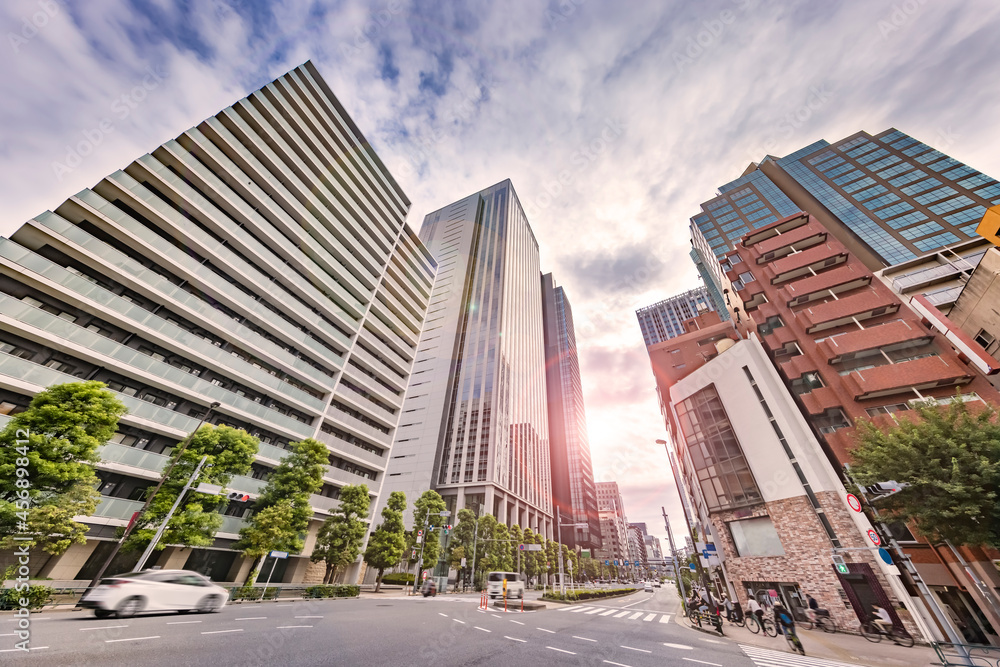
(640,630)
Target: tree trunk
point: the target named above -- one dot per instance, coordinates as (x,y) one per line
(254,572)
(378,580)
(329,574)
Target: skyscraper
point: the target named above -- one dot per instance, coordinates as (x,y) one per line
(614,524)
(663,320)
(260,260)
(573,490)
(475,425)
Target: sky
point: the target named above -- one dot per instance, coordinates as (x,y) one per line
(614,120)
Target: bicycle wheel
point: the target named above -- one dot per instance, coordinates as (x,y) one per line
(828,624)
(793,642)
(740,621)
(769,628)
(753,625)
(871,632)
(901,637)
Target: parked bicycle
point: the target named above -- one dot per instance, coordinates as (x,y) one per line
(873,633)
(820,618)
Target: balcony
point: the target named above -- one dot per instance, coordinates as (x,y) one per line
(231,525)
(803,263)
(116,508)
(774,229)
(133,458)
(919,279)
(904,377)
(796,366)
(835,281)
(323,503)
(246,484)
(350,450)
(795,240)
(367,382)
(861,306)
(884,336)
(358,426)
(944,297)
(272,453)
(819,400)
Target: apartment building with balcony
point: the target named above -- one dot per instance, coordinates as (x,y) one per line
(847,346)
(614,523)
(260,260)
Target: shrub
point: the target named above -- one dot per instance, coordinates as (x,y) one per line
(253,593)
(401,578)
(572,596)
(37,597)
(337,591)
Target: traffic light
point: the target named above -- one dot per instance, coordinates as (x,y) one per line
(841,565)
(447,528)
(238,497)
(885,488)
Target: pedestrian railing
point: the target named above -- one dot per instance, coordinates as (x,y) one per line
(979,655)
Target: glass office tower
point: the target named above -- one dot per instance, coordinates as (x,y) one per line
(574,493)
(475,424)
(664,320)
(260,260)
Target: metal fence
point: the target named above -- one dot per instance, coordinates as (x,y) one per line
(980,655)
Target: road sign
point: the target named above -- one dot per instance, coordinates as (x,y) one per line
(693,567)
(607,562)
(445,513)
(884,555)
(626,562)
(873,536)
(279,554)
(420,533)
(853,502)
(463,562)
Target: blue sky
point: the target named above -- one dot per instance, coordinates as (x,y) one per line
(614,121)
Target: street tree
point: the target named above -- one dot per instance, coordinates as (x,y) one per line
(516,539)
(230,452)
(341,536)
(464,538)
(950,457)
(386,544)
(504,561)
(269,527)
(55,443)
(426,512)
(299,474)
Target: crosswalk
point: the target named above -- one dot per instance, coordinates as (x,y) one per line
(616,612)
(763,657)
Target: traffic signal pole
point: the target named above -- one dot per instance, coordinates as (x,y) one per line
(163,525)
(673,555)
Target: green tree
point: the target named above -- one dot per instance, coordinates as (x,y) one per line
(463,538)
(950,457)
(517,539)
(298,475)
(230,452)
(339,540)
(55,443)
(386,544)
(270,527)
(426,513)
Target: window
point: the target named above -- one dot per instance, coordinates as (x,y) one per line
(789,350)
(772,323)
(985,338)
(887,409)
(746,277)
(831,420)
(806,383)
(756,537)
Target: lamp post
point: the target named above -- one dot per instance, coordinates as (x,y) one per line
(559,527)
(150,496)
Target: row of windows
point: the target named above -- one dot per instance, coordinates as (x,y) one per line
(871,157)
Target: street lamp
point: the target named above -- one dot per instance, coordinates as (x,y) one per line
(150,496)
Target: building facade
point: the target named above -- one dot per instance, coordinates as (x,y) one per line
(475,418)
(939,276)
(573,492)
(614,524)
(260,260)
(664,320)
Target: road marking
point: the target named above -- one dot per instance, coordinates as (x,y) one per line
(649,618)
(219,632)
(181,622)
(584,639)
(493,615)
(634,603)
(287,627)
(308,617)
(595,610)
(458,621)
(684,647)
(617,664)
(635,616)
(483,629)
(523,641)
(665,618)
(714,664)
(632,648)
(551,632)
(103,627)
(609,611)
(579,609)
(710,641)
(518,622)
(282,605)
(252,618)
(33,648)
(623,613)
(130,639)
(440,614)
(553,648)
(565,609)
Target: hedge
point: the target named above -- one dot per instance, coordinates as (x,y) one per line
(37,597)
(253,593)
(336,591)
(402,578)
(589,595)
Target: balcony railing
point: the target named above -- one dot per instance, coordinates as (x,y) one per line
(117,508)
(130,456)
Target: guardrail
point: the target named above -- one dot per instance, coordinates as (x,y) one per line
(980,655)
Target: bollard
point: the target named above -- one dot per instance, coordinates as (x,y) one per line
(505,603)
(522,603)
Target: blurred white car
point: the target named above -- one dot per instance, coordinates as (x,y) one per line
(647,588)
(154,590)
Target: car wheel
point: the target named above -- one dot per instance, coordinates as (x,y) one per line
(102,613)
(209,604)
(130,607)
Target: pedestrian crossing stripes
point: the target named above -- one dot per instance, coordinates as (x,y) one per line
(619,613)
(763,657)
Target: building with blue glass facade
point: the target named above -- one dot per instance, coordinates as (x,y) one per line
(665,319)
(261,261)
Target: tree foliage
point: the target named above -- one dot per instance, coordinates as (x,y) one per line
(55,442)
(950,457)
(270,527)
(387,542)
(230,452)
(425,513)
(339,540)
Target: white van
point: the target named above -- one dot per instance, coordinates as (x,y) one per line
(495,584)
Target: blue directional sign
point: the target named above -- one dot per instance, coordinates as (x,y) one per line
(694,568)
(616,561)
(884,555)
(607,562)
(626,562)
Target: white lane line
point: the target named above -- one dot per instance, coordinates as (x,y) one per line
(219,632)
(683,647)
(609,611)
(595,610)
(288,627)
(252,618)
(523,641)
(586,639)
(616,664)
(665,618)
(635,616)
(551,632)
(564,609)
(710,641)
(12,634)
(130,639)
(493,615)
(624,613)
(282,605)
(649,618)
(181,622)
(633,604)
(458,621)
(483,629)
(632,648)
(703,662)
(518,622)
(308,617)
(103,627)
(553,648)
(440,614)
(33,648)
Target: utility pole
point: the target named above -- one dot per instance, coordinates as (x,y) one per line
(149,497)
(163,525)
(475,538)
(673,554)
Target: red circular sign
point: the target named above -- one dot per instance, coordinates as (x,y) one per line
(853,501)
(873,536)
